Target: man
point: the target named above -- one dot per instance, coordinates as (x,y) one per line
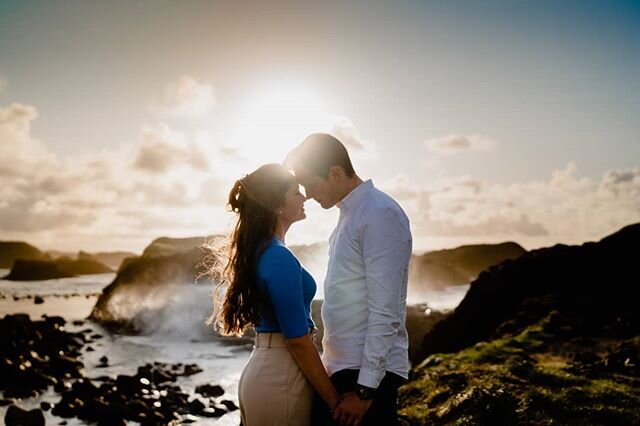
(365,345)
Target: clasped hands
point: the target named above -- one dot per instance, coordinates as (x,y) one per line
(351,409)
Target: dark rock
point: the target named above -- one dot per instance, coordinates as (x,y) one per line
(128,385)
(16,416)
(196,406)
(512,295)
(212,412)
(30,269)
(36,270)
(230,405)
(191,369)
(210,390)
(438,269)
(12,250)
(38,300)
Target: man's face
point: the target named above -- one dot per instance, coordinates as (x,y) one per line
(323,191)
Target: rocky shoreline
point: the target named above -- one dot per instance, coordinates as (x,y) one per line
(40,355)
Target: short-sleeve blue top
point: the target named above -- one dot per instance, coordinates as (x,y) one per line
(289,290)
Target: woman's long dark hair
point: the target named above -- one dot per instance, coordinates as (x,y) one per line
(254,199)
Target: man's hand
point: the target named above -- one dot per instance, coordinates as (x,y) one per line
(351,409)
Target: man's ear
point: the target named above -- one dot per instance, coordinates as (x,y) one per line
(336,173)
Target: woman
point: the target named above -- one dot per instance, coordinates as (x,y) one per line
(269,290)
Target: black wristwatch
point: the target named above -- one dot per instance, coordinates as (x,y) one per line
(364,392)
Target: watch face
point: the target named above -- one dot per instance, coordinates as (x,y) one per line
(364,392)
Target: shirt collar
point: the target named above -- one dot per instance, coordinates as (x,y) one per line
(354,198)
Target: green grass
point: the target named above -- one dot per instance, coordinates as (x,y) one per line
(520,380)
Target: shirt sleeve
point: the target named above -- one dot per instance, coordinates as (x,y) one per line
(284,288)
(386,242)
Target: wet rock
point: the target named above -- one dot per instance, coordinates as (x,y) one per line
(210,390)
(212,412)
(36,354)
(191,369)
(196,406)
(16,416)
(229,405)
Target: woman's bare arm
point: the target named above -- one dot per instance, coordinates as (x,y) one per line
(308,359)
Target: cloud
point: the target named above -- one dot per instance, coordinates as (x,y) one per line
(186,97)
(21,154)
(106,199)
(566,207)
(163,148)
(346,131)
(453,144)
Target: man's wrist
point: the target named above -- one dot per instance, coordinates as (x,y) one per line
(365,393)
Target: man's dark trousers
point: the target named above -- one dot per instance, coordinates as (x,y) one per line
(383,410)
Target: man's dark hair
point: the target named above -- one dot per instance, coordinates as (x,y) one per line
(318,153)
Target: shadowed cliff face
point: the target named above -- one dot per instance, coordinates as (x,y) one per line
(596,281)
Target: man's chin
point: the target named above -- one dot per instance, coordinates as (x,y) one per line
(327,206)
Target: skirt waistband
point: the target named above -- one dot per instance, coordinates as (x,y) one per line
(277,340)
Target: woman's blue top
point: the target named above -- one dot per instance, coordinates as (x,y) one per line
(289,290)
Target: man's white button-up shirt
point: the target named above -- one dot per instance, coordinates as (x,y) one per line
(365,289)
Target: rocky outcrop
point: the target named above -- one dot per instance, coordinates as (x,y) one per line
(12,250)
(143,283)
(597,281)
(461,265)
(552,337)
(36,270)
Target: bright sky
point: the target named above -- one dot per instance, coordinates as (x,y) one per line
(488,121)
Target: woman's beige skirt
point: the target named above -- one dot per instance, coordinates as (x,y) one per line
(273,391)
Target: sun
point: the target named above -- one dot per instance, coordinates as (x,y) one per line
(277,119)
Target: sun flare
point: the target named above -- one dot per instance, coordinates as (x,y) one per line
(276,120)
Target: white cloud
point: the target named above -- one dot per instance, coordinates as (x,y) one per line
(186,97)
(453,144)
(21,154)
(163,148)
(345,131)
(108,199)
(567,207)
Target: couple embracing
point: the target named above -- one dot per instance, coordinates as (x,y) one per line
(365,344)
